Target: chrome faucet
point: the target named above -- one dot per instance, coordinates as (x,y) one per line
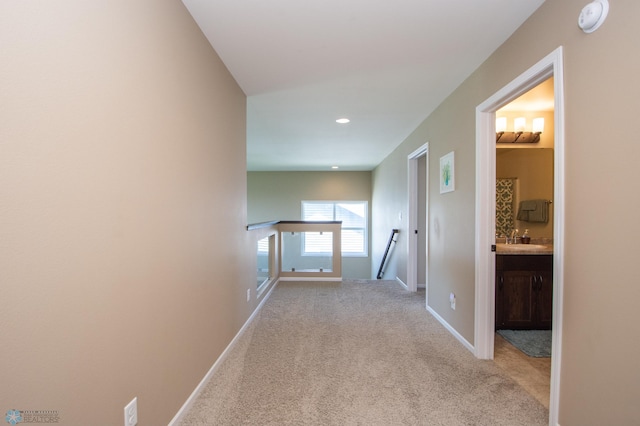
(514,237)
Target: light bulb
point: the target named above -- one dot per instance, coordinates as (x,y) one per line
(538,125)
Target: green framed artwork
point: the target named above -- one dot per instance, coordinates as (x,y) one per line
(447,173)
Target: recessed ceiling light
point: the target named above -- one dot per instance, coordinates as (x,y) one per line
(334,167)
(342,120)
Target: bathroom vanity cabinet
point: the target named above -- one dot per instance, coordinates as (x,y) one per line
(524,291)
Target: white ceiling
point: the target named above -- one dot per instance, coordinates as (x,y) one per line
(386,65)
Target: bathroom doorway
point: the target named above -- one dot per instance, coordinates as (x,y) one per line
(484,335)
(524,178)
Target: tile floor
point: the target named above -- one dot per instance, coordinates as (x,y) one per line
(533,374)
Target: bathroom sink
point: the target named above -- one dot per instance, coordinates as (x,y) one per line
(520,247)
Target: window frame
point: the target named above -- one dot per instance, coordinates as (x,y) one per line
(364,228)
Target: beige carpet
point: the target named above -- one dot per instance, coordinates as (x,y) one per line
(356,353)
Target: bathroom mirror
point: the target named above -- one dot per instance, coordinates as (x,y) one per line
(521,175)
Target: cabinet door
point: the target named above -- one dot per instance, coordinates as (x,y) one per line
(499,300)
(544,299)
(524,291)
(518,302)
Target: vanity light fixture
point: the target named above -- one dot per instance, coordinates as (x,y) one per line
(342,120)
(519,135)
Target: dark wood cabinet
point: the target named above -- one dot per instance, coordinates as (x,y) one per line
(524,291)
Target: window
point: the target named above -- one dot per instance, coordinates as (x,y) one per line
(263,246)
(353,215)
(264,259)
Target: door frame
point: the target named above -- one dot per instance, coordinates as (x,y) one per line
(551,65)
(412,219)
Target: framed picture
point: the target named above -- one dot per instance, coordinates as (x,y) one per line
(447,173)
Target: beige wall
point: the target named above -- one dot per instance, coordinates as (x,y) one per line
(278,196)
(123,253)
(600,379)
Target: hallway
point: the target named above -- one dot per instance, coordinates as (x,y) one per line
(356,352)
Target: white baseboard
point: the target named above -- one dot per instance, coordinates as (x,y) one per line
(314,279)
(194,395)
(451,330)
(402,283)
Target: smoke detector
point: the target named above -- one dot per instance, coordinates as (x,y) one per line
(593,15)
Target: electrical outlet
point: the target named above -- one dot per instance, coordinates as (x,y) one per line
(452,301)
(248,294)
(131,413)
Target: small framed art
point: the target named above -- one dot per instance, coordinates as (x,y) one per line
(447,173)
